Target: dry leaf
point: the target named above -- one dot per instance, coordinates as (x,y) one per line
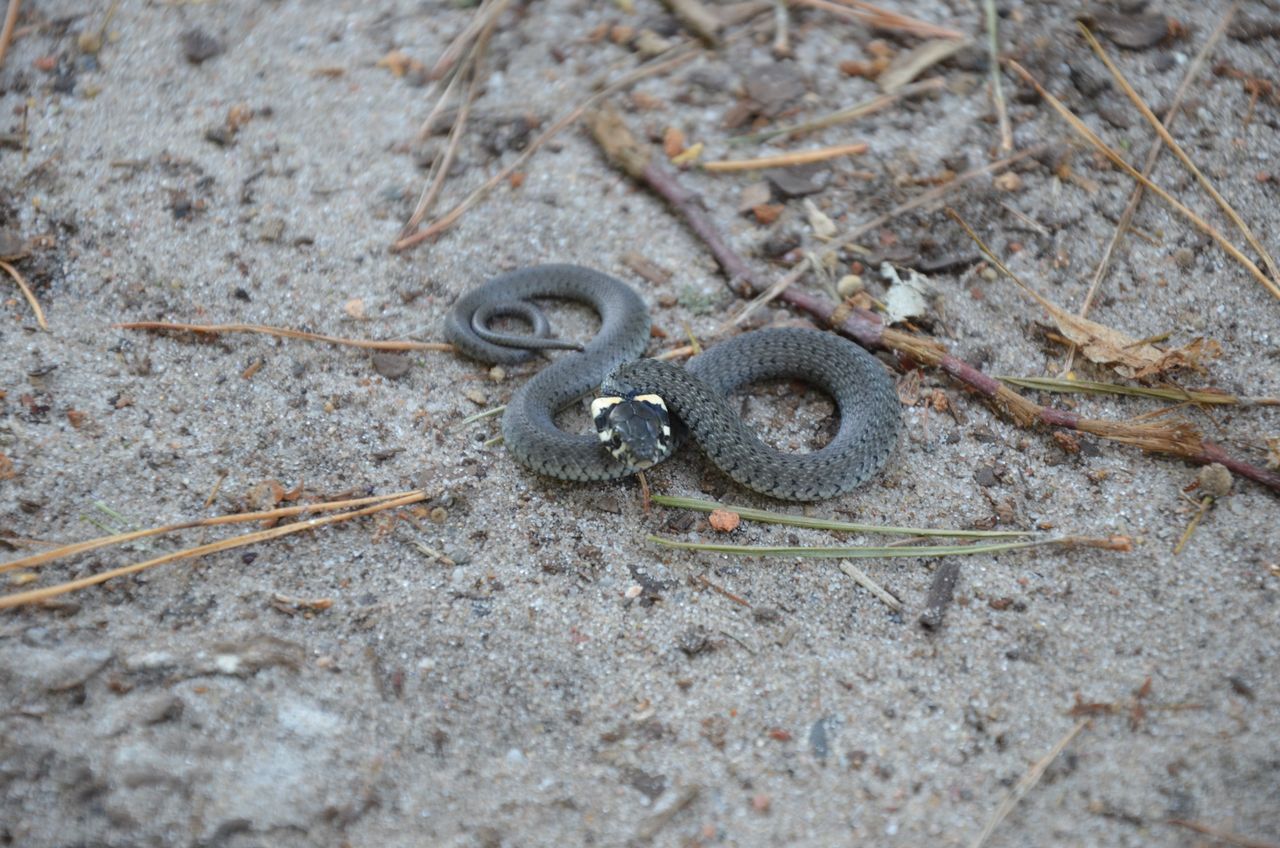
(1128,357)
(905,298)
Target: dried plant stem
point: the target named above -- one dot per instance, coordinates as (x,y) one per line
(1025,784)
(37,595)
(867,329)
(1170,393)
(484,18)
(871,15)
(283,332)
(1116,159)
(1178,151)
(64,551)
(658,65)
(852,113)
(1153,155)
(444,160)
(997,89)
(10,21)
(765,516)
(860,577)
(26,291)
(785,160)
(1223,835)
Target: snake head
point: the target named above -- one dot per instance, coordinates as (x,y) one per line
(636,429)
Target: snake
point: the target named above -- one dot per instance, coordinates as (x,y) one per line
(647,407)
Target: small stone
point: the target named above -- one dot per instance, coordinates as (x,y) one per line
(1215,480)
(774,88)
(497,373)
(800,180)
(199,46)
(391,365)
(1184,258)
(1008,181)
(271,230)
(693,641)
(476,396)
(849,285)
(985,476)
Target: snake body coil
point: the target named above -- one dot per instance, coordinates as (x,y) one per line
(696,393)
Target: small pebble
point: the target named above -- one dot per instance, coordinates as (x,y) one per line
(849,285)
(1215,480)
(497,373)
(199,46)
(390,365)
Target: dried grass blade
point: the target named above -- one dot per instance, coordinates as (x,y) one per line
(767,517)
(1204,226)
(785,160)
(76,548)
(36,595)
(26,290)
(1173,145)
(284,332)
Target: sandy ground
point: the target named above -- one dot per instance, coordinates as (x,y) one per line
(487,674)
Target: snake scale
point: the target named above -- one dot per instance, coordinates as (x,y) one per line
(638,394)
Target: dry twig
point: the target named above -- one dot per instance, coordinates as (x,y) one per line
(874,16)
(37,595)
(26,292)
(1025,784)
(10,21)
(785,160)
(1178,152)
(283,332)
(1135,198)
(1223,835)
(1119,161)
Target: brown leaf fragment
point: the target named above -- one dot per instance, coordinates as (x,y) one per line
(1129,357)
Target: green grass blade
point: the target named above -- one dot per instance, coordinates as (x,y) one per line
(851,552)
(766,517)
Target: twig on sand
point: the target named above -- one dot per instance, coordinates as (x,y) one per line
(1223,835)
(871,15)
(661,64)
(997,90)
(1177,151)
(868,329)
(841,116)
(37,595)
(1119,161)
(10,21)
(283,332)
(26,292)
(864,580)
(785,160)
(1135,198)
(1025,784)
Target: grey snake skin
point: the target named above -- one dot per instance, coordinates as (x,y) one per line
(696,393)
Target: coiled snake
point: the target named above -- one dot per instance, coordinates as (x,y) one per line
(631,416)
